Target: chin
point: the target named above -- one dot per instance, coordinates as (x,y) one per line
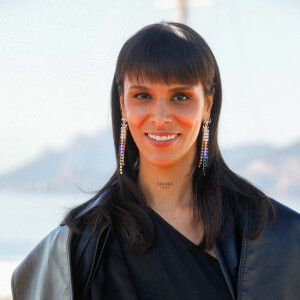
(164,163)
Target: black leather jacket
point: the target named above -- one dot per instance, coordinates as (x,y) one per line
(267,268)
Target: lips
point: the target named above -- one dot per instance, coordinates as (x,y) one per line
(162,139)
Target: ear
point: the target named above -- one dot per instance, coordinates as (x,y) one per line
(122,105)
(208,105)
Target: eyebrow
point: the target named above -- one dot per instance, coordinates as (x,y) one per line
(180,88)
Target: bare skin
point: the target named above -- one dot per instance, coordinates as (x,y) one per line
(175,112)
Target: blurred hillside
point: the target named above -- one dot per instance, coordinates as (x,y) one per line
(89,162)
(274,170)
(86,164)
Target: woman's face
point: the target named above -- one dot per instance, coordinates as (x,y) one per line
(164,120)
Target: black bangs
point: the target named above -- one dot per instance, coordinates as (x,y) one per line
(166,53)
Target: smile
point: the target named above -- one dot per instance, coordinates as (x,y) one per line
(162,138)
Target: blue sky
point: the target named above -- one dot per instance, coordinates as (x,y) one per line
(57,60)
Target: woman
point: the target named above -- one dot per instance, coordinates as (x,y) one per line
(173,222)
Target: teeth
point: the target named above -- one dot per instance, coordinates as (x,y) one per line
(162,138)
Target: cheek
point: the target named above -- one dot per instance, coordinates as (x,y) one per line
(189,116)
(136,115)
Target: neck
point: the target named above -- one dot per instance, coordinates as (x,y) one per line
(166,188)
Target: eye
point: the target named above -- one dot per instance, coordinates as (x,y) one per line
(180,97)
(142,96)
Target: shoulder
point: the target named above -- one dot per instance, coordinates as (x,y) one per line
(280,241)
(274,253)
(286,219)
(284,232)
(46,270)
(283,229)
(279,218)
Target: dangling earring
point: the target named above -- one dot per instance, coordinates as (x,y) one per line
(122,143)
(204,147)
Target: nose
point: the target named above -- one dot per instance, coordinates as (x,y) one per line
(160,113)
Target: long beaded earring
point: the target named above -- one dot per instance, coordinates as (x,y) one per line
(204,147)
(122,144)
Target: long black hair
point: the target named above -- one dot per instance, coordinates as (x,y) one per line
(172,53)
